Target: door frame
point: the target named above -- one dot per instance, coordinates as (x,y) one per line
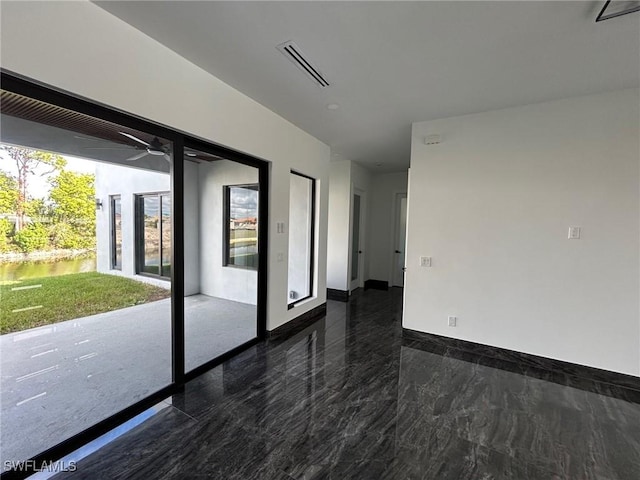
(358,282)
(397,196)
(139,234)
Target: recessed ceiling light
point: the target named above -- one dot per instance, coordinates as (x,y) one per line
(335,154)
(333,106)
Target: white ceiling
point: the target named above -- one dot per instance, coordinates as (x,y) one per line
(393,63)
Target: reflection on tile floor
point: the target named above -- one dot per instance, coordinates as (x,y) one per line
(347,398)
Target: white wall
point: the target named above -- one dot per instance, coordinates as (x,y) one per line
(78,47)
(492,204)
(217,280)
(345,177)
(338,230)
(382,223)
(126,182)
(192,258)
(360,180)
(379,216)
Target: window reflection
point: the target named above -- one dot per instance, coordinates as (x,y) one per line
(241,220)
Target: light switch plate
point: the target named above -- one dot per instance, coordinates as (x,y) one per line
(574,233)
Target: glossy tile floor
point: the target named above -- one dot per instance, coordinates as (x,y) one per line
(350,398)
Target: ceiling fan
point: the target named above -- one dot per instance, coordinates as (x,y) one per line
(154,147)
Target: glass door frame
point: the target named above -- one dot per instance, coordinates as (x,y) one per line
(139,233)
(21,85)
(263,241)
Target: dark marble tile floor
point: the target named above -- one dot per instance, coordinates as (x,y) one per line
(347,398)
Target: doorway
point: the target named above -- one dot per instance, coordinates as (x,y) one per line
(357,240)
(400,237)
(222,249)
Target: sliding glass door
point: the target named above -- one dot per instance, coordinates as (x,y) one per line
(150,266)
(84,335)
(222,253)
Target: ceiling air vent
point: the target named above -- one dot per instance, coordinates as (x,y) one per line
(295,55)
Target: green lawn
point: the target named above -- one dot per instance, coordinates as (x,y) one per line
(69,296)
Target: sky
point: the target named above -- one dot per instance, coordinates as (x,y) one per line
(244,202)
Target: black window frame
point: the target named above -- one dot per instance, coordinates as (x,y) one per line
(226,220)
(139,228)
(112,226)
(312,246)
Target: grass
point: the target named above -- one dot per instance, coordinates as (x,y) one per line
(66,297)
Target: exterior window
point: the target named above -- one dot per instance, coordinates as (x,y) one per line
(241,226)
(301,233)
(116,233)
(153,232)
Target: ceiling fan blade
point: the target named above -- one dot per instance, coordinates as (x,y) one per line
(136,157)
(80,137)
(128,135)
(109,148)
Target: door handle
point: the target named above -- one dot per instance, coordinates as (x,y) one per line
(359,251)
(398,251)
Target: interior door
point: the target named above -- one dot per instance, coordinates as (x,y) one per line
(356,240)
(400,240)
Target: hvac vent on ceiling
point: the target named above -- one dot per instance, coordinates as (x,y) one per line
(295,55)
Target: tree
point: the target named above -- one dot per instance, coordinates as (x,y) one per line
(38,209)
(8,193)
(30,162)
(73,195)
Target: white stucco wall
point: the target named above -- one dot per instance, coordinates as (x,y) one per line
(126,182)
(217,280)
(80,48)
(192,220)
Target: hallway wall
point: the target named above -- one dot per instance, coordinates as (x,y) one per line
(382,215)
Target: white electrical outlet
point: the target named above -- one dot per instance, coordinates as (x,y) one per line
(452,321)
(425,261)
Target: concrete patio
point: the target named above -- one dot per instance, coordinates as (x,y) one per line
(60,379)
